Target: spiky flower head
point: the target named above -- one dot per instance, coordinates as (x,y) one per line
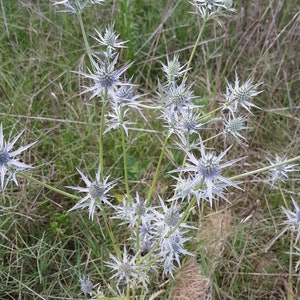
(205,172)
(106,77)
(176,98)
(117,118)
(279,173)
(96,193)
(213,9)
(125,269)
(75,6)
(293,219)
(133,209)
(86,286)
(173,69)
(110,38)
(233,126)
(240,94)
(9,163)
(171,248)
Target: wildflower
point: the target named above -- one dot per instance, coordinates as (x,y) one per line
(188,122)
(75,6)
(96,193)
(233,126)
(240,94)
(132,210)
(9,163)
(293,219)
(166,220)
(110,38)
(106,77)
(206,171)
(279,173)
(116,119)
(86,285)
(171,248)
(173,70)
(124,96)
(125,269)
(176,98)
(213,9)
(186,190)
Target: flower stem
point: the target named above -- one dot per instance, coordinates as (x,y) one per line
(265,168)
(125,163)
(86,43)
(49,187)
(101,130)
(194,49)
(157,170)
(111,235)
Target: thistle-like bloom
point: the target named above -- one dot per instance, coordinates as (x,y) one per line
(171,248)
(205,172)
(173,70)
(86,286)
(233,126)
(209,9)
(134,209)
(96,193)
(110,38)
(293,219)
(75,6)
(125,270)
(279,173)
(117,118)
(239,95)
(105,78)
(176,98)
(9,163)
(187,122)
(166,220)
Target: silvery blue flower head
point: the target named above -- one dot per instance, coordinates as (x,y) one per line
(125,269)
(110,38)
(106,77)
(86,286)
(176,98)
(9,163)
(293,219)
(213,9)
(205,172)
(173,70)
(75,6)
(171,247)
(96,193)
(240,94)
(233,126)
(279,173)
(133,209)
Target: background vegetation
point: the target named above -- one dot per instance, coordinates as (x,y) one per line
(43,249)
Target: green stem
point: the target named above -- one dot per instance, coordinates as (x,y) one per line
(157,170)
(101,130)
(289,295)
(49,187)
(111,235)
(194,49)
(86,43)
(125,163)
(288,161)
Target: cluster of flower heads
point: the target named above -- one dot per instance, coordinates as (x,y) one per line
(9,162)
(161,234)
(109,83)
